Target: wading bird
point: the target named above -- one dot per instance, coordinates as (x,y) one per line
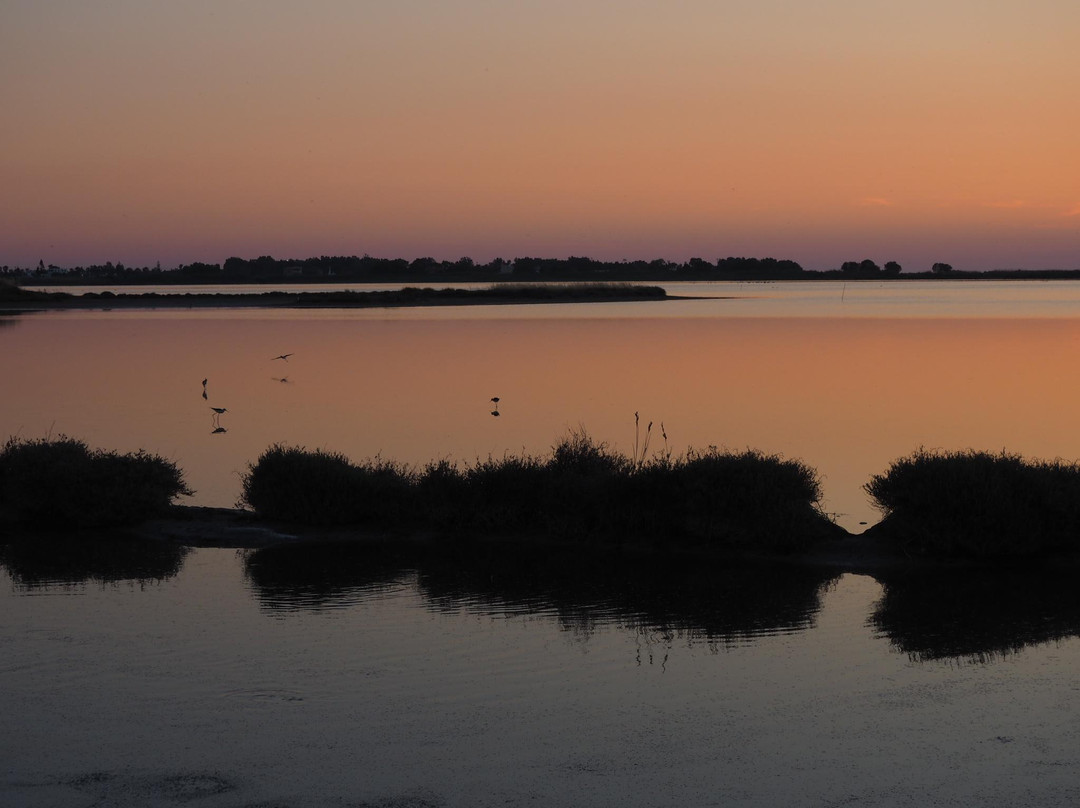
(217,414)
(204,389)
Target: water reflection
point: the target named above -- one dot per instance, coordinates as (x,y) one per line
(44,562)
(715,602)
(324,575)
(977,615)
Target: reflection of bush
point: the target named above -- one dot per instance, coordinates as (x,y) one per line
(978,614)
(582,491)
(317,574)
(975,503)
(62,483)
(719,602)
(50,560)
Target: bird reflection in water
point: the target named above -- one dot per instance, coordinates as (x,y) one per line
(219,431)
(204,389)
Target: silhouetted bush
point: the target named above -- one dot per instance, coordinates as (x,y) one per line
(583,492)
(62,483)
(325,488)
(747,498)
(979,504)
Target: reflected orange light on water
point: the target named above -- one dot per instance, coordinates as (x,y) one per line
(845,396)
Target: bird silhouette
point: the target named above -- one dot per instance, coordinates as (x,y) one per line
(216,417)
(495,413)
(284,356)
(204,389)
(495,400)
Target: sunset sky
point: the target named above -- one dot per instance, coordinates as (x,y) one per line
(178,131)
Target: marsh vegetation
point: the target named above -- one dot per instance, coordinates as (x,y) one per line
(501,293)
(581,491)
(970,503)
(61,482)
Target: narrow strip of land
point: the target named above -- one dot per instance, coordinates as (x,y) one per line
(14,299)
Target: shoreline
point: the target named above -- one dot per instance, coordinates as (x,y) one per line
(869,553)
(19,302)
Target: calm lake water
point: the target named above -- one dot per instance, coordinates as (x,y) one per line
(845,377)
(330,676)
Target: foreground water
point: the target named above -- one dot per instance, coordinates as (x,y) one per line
(332,676)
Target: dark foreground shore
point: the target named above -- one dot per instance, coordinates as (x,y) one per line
(875,551)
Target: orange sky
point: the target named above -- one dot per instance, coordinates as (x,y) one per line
(822,132)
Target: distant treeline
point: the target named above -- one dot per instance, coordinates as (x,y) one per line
(366,269)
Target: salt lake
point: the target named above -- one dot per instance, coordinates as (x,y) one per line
(223,677)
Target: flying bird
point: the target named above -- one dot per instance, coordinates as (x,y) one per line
(284,356)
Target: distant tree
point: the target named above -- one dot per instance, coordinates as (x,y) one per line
(892,268)
(525,266)
(941,269)
(425,265)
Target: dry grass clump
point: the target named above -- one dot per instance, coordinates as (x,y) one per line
(583,491)
(62,483)
(980,504)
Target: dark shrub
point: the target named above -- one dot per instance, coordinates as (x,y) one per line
(747,499)
(325,488)
(62,483)
(506,494)
(583,491)
(442,489)
(976,503)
